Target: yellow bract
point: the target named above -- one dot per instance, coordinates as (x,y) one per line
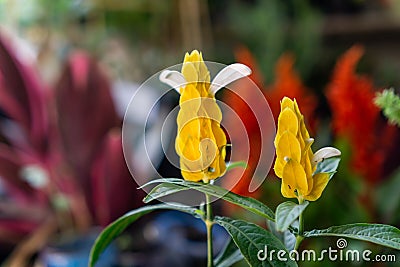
(294,157)
(200,141)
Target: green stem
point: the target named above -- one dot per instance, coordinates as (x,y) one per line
(209,225)
(299,237)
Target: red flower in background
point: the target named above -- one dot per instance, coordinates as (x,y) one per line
(355,116)
(243,109)
(288,83)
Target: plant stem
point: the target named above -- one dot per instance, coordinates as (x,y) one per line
(299,237)
(209,224)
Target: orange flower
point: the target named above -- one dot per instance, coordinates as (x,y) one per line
(354,115)
(288,83)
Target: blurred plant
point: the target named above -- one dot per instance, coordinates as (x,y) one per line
(61,160)
(389,102)
(304,174)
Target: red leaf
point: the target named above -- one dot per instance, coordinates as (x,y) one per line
(22,97)
(10,166)
(85,112)
(114,190)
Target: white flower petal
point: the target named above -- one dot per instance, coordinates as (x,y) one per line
(324,153)
(173,78)
(228,75)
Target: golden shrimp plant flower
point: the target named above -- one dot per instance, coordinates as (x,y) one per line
(200,142)
(295,161)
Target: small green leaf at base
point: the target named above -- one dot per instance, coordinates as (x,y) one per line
(118,226)
(254,242)
(328,165)
(286,237)
(286,213)
(380,234)
(163,190)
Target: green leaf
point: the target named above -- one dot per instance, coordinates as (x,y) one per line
(163,190)
(289,240)
(328,165)
(286,213)
(247,203)
(380,234)
(286,237)
(118,226)
(253,241)
(162,180)
(229,255)
(236,164)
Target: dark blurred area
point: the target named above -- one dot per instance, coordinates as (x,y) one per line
(69,67)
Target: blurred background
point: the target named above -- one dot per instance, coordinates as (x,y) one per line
(69,67)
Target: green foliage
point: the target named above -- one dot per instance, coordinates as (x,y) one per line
(251,238)
(248,239)
(287,212)
(247,203)
(380,234)
(328,165)
(162,190)
(389,102)
(286,237)
(117,227)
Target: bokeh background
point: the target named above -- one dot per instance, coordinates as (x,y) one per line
(68,69)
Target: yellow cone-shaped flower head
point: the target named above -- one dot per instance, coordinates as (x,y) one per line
(295,162)
(200,141)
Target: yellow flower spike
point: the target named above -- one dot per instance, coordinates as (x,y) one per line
(320,182)
(286,102)
(288,148)
(294,180)
(190,98)
(200,142)
(287,121)
(295,162)
(194,69)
